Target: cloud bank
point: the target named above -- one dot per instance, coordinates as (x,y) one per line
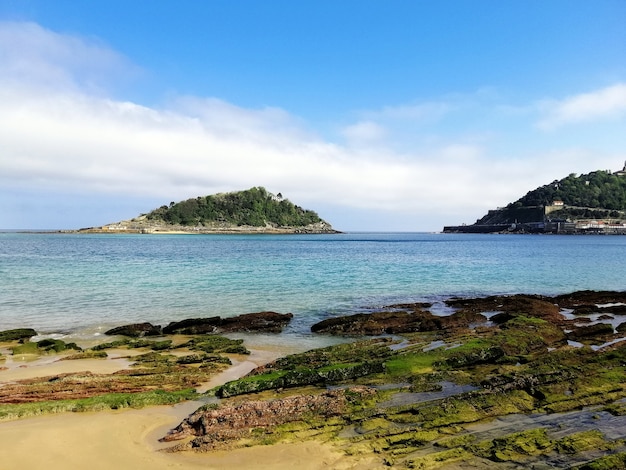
(419,164)
(606,103)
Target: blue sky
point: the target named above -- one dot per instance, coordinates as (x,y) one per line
(379,115)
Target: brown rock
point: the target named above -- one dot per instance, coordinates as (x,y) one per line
(136,330)
(218,427)
(379,323)
(511,306)
(266,322)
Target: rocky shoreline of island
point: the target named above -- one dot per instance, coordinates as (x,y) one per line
(141,225)
(497,382)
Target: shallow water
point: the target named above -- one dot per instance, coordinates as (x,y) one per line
(84,284)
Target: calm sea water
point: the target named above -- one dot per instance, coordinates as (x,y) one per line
(70,283)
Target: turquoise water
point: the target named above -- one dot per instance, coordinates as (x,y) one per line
(69,282)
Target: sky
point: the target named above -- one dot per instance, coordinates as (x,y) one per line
(380,115)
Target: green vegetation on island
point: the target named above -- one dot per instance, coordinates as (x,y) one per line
(596,190)
(254,210)
(255,207)
(589,203)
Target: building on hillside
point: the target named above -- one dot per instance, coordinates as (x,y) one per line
(622,172)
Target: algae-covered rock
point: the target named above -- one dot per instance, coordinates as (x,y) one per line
(193,326)
(136,330)
(89,354)
(515,446)
(298,377)
(17,334)
(609,462)
(377,323)
(510,306)
(44,346)
(597,330)
(218,427)
(267,322)
(215,344)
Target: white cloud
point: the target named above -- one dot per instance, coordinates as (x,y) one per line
(608,102)
(364,133)
(67,132)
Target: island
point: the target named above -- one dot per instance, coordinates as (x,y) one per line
(593,203)
(255,210)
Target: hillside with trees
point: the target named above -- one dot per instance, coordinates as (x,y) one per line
(597,190)
(255,207)
(253,210)
(597,196)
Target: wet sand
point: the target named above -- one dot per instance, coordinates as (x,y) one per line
(128,439)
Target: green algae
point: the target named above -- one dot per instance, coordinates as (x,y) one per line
(135,344)
(609,462)
(45,346)
(330,365)
(112,401)
(582,441)
(436,460)
(215,344)
(514,447)
(17,334)
(523,366)
(298,377)
(88,354)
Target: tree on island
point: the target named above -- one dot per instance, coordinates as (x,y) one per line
(255,207)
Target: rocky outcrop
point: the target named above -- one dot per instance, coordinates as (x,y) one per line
(136,330)
(16,334)
(214,428)
(592,298)
(597,331)
(395,322)
(378,323)
(299,377)
(509,306)
(193,326)
(265,322)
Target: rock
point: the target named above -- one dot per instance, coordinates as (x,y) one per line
(589,297)
(266,322)
(510,306)
(17,334)
(299,377)
(379,323)
(395,322)
(597,330)
(193,326)
(213,428)
(136,330)
(488,354)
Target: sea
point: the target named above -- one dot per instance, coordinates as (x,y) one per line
(83,284)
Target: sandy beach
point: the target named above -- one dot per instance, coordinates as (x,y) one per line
(128,439)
